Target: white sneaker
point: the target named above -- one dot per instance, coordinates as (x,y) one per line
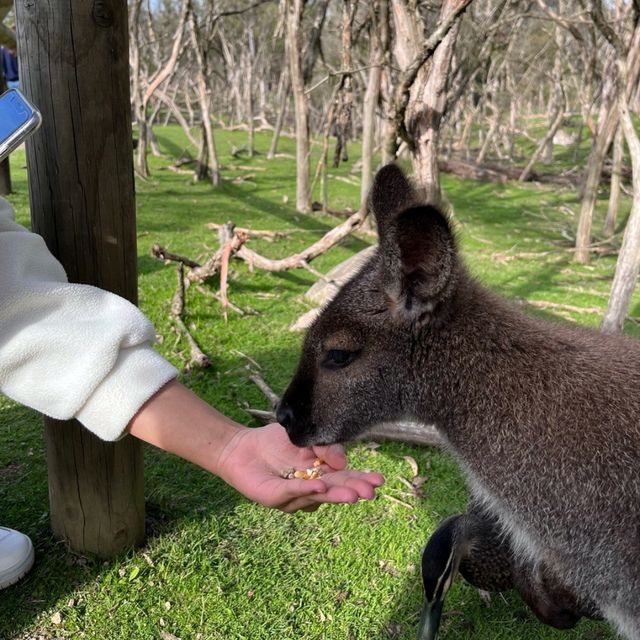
(16,556)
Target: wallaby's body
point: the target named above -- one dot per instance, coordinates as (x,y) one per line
(544,418)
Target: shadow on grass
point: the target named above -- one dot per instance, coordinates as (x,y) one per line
(59,573)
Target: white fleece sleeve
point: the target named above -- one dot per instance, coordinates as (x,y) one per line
(70,350)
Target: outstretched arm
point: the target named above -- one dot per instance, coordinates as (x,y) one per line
(251,460)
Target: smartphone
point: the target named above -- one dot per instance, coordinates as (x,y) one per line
(18,120)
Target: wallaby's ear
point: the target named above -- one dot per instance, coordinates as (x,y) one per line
(390,194)
(418,262)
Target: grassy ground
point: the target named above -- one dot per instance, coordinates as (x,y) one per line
(214,565)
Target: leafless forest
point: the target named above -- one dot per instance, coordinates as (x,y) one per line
(450,85)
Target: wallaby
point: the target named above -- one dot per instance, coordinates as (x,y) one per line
(544,418)
(472,544)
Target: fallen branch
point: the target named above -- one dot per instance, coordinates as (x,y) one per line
(212,266)
(162,254)
(270,394)
(297,260)
(197,357)
(225,235)
(212,294)
(255,233)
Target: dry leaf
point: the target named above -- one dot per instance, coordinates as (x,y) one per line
(56,618)
(412,463)
(418,481)
(165,635)
(388,567)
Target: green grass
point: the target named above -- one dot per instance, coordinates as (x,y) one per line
(214,565)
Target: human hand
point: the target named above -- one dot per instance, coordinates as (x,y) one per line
(253,460)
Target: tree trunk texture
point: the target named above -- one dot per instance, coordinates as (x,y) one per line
(208,152)
(408,28)
(174,110)
(557,104)
(5,167)
(378,39)
(301,105)
(548,138)
(249,87)
(371,96)
(75,68)
(425,128)
(628,264)
(614,184)
(284,91)
(345,95)
(606,130)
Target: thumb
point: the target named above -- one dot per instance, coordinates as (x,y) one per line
(334,455)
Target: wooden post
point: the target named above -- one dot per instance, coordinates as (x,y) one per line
(5,167)
(75,67)
(7,38)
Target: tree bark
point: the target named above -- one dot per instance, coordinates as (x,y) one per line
(345,95)
(74,67)
(284,89)
(301,105)
(425,128)
(404,87)
(606,131)
(628,263)
(208,151)
(377,50)
(614,185)
(548,139)
(5,167)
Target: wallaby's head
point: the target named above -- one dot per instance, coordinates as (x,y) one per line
(362,357)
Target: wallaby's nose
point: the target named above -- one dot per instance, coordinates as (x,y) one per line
(285,416)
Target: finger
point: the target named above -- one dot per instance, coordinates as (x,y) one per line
(333,455)
(373,478)
(297,487)
(341,477)
(365,490)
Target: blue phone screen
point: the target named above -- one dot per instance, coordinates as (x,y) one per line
(14,112)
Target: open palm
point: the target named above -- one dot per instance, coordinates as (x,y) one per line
(255,458)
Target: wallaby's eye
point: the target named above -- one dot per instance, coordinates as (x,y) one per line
(338,358)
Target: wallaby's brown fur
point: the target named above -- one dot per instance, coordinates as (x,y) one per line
(543,418)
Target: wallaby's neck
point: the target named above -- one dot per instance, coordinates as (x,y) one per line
(482,360)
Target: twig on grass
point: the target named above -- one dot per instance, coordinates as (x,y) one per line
(197,356)
(270,394)
(161,253)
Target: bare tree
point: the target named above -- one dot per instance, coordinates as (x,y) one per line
(378,50)
(426,121)
(144,84)
(294,10)
(628,264)
(606,130)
